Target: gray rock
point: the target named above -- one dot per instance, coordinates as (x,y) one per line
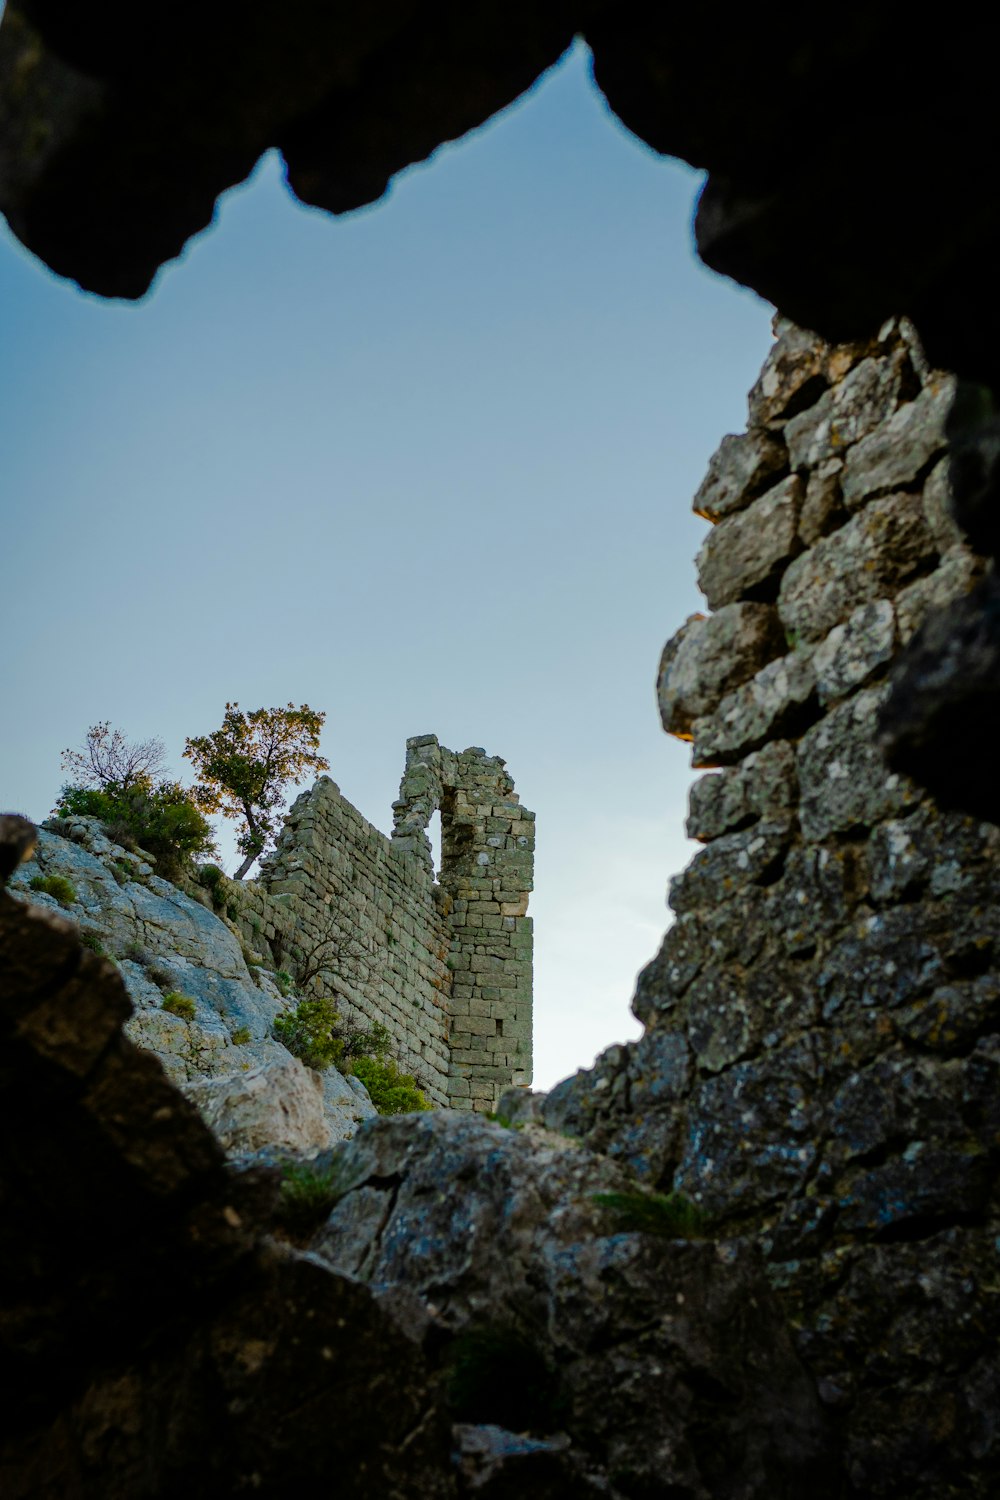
(279,1104)
(957,573)
(794,375)
(844,780)
(895,454)
(845,413)
(566,1317)
(745,551)
(822,505)
(869,557)
(741,467)
(728,864)
(763,785)
(709,657)
(852,652)
(775,702)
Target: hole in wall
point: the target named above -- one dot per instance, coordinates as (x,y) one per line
(434,834)
(507,378)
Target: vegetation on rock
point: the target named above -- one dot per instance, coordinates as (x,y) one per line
(108,759)
(179,1005)
(668,1214)
(56,886)
(162,820)
(311,1032)
(246,765)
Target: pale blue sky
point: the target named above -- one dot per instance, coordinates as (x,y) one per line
(427,467)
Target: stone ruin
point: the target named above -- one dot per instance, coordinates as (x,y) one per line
(445,961)
(818,1071)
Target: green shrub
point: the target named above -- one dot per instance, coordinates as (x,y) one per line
(308,1193)
(213,878)
(375,1042)
(284,981)
(179,1005)
(670,1215)
(160,819)
(392,1092)
(241,1036)
(92,941)
(56,886)
(311,1032)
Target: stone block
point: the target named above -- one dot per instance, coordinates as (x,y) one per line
(794,375)
(763,785)
(822,505)
(895,454)
(725,866)
(845,413)
(742,467)
(774,702)
(870,556)
(854,650)
(844,781)
(958,572)
(708,657)
(745,552)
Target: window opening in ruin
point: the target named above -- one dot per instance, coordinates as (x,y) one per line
(434,834)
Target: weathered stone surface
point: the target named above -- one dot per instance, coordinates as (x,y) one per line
(741,468)
(877,550)
(746,551)
(844,780)
(763,785)
(895,454)
(718,871)
(822,505)
(793,377)
(278,1104)
(775,702)
(852,652)
(708,657)
(845,413)
(958,572)
(473,1218)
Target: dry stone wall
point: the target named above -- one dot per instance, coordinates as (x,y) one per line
(446,963)
(821,1058)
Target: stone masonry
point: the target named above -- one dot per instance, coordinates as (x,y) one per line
(821,1057)
(445,964)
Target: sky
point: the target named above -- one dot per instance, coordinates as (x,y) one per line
(427,467)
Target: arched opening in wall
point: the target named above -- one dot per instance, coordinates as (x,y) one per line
(434,834)
(507,376)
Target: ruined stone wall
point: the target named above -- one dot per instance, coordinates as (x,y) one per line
(822,1048)
(444,964)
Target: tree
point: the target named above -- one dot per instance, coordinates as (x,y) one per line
(246,765)
(108,759)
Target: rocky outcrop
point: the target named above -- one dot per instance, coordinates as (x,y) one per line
(165,941)
(484,1311)
(819,1067)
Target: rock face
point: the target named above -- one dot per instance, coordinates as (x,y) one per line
(484,1311)
(820,1061)
(166,941)
(517,1253)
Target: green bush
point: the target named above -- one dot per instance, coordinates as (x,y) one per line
(311,1032)
(212,878)
(179,1005)
(284,981)
(161,819)
(392,1092)
(375,1042)
(92,941)
(670,1215)
(241,1036)
(56,886)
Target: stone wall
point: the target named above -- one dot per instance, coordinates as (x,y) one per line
(445,964)
(820,1062)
